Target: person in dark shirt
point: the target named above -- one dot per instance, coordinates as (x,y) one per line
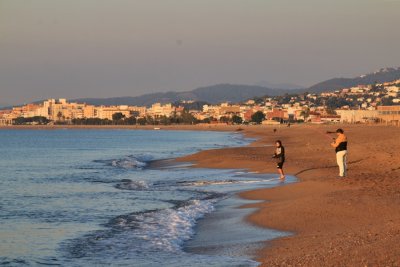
(340,145)
(279,155)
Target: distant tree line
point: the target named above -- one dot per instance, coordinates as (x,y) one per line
(120,119)
(196,105)
(91,121)
(258,117)
(38,120)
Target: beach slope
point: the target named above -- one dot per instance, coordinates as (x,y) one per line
(335,222)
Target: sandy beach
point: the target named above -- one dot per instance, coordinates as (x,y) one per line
(335,222)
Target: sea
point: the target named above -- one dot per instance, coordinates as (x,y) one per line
(94,197)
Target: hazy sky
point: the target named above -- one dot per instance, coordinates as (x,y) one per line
(102,48)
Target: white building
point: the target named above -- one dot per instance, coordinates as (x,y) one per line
(354,116)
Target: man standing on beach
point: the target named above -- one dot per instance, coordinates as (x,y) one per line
(340,145)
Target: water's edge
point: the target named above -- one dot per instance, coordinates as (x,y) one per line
(229,218)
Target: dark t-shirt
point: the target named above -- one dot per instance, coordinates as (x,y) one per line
(280,154)
(342,146)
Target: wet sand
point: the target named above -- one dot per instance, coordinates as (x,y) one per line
(336,222)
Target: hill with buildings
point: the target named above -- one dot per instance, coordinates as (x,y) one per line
(367,103)
(279,85)
(380,76)
(238,93)
(210,94)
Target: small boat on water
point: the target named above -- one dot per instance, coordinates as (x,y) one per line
(156,128)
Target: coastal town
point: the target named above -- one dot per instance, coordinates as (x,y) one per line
(372,103)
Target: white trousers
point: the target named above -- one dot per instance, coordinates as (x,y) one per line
(341,158)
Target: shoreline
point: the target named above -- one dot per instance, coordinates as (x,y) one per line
(346,222)
(201,127)
(225,232)
(337,222)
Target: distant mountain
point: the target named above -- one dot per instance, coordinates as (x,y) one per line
(4,105)
(286,86)
(211,94)
(380,76)
(238,93)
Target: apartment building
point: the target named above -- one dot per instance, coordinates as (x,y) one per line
(158,110)
(278,113)
(389,114)
(357,116)
(5,122)
(107,112)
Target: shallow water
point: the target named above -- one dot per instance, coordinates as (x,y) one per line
(88,197)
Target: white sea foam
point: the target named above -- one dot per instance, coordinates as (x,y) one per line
(132,185)
(129,162)
(166,229)
(224,182)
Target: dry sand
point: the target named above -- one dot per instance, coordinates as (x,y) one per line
(336,222)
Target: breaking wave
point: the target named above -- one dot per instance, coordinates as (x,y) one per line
(128,162)
(223,182)
(158,230)
(127,184)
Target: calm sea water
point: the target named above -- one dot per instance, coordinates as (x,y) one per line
(89,198)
